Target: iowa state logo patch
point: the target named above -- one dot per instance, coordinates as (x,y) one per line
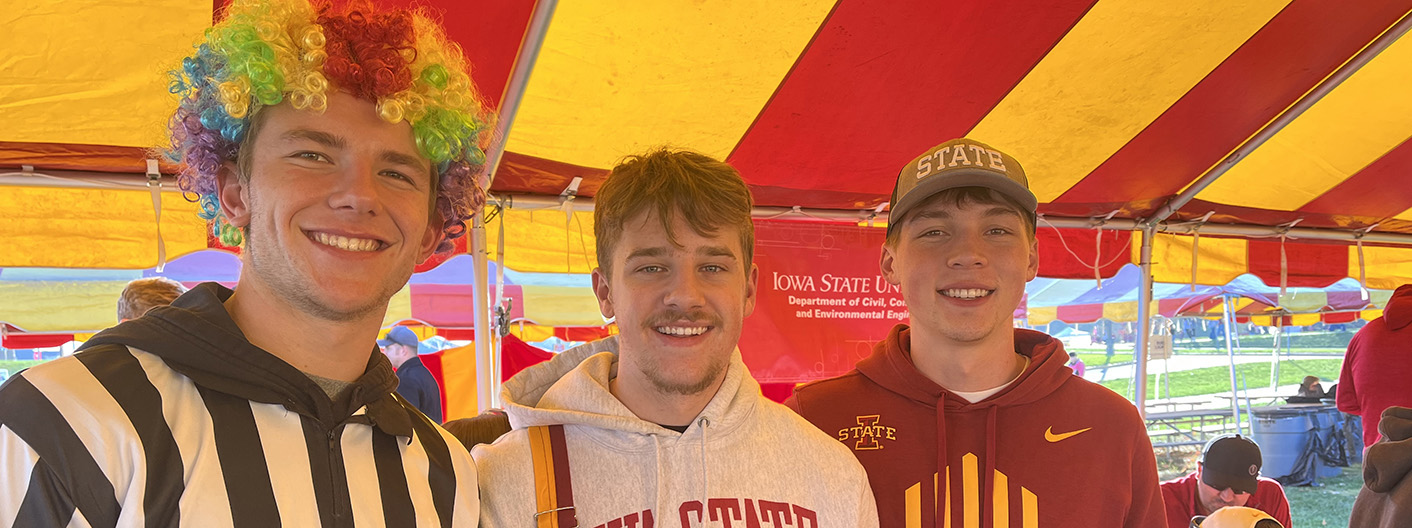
(868,434)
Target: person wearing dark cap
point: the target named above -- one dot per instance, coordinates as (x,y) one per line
(416,384)
(1228,474)
(959,418)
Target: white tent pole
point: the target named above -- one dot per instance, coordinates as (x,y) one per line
(1144,316)
(480,302)
(1275,352)
(517,83)
(487,360)
(1228,319)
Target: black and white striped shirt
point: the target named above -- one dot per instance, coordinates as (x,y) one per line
(217,434)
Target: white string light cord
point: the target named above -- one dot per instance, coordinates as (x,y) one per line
(1096,223)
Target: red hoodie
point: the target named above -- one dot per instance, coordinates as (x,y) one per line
(1050,450)
(1377,370)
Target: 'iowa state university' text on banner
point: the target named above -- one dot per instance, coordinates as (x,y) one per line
(822,302)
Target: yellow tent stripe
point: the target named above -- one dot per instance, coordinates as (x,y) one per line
(106,81)
(546,240)
(38,306)
(681,72)
(399,307)
(1348,129)
(458,371)
(1220,259)
(1114,73)
(561,306)
(1385,268)
(1042,315)
(51,227)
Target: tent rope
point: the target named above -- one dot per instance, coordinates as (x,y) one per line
(1097,225)
(1362,265)
(154,185)
(1284,260)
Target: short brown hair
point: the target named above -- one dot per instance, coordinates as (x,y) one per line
(144,294)
(709,194)
(959,196)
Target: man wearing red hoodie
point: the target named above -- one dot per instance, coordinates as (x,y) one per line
(960,419)
(1378,365)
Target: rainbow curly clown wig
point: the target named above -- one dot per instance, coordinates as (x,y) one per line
(265,52)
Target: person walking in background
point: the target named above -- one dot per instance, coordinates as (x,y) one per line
(141,295)
(415,382)
(1378,365)
(1076,364)
(960,418)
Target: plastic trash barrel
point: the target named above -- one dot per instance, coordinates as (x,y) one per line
(1282,434)
(1328,421)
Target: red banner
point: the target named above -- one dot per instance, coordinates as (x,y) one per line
(822,303)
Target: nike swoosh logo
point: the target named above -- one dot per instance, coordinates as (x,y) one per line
(1050,436)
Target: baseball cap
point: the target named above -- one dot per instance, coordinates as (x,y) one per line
(401,335)
(1231,461)
(960,162)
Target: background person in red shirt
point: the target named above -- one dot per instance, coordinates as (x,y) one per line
(1227,475)
(1378,365)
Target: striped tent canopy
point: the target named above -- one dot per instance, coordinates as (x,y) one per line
(1116,299)
(62,302)
(1284,121)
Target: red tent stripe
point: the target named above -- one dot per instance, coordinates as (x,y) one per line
(822,130)
(1293,52)
(1310,265)
(1112,249)
(1380,190)
(18,341)
(1080,313)
(69,156)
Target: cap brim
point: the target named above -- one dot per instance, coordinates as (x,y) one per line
(1238,483)
(385,342)
(962,178)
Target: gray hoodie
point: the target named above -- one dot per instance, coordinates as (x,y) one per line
(750,461)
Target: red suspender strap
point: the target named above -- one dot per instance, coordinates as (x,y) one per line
(553,489)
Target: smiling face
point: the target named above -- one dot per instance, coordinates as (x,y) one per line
(679,307)
(962,267)
(336,208)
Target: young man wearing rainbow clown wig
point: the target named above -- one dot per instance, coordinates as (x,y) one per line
(339,148)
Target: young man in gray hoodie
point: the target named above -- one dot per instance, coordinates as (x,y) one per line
(662,425)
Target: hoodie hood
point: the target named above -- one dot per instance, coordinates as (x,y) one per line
(890,366)
(197,337)
(572,389)
(1389,461)
(1398,312)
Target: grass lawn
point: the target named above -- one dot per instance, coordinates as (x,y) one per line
(16,365)
(1327,505)
(1212,380)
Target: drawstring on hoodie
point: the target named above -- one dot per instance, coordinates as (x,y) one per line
(704,423)
(944,480)
(657,501)
(988,491)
